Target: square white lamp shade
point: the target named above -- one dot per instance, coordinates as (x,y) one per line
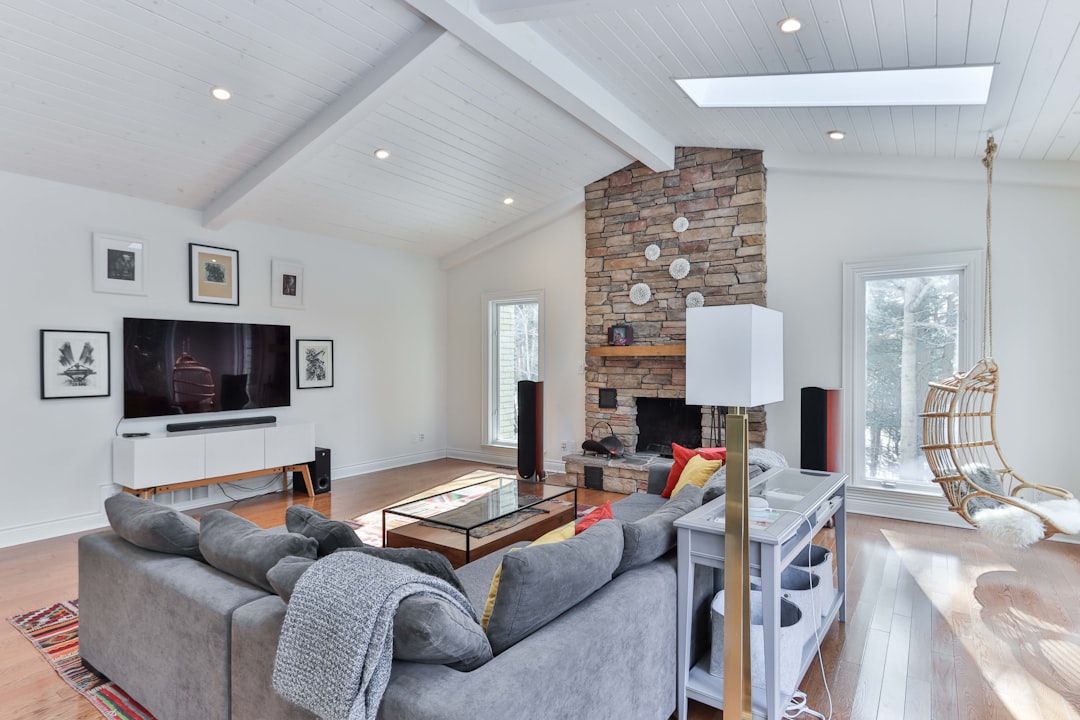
(734,356)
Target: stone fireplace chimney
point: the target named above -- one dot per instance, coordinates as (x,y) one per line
(721,195)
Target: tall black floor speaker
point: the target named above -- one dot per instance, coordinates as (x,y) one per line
(531,430)
(821,444)
(319,469)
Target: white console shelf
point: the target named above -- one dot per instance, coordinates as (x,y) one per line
(164,462)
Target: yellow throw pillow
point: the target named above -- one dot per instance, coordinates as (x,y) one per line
(557,535)
(697,472)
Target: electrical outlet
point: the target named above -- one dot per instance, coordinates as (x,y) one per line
(420,437)
(563,446)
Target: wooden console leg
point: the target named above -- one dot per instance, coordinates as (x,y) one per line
(303,469)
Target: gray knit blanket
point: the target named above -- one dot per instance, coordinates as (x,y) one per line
(337,641)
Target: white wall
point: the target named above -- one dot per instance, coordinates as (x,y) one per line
(552,259)
(383,309)
(824,212)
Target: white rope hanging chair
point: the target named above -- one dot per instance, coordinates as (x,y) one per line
(961,446)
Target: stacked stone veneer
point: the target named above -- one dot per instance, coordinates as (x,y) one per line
(722,194)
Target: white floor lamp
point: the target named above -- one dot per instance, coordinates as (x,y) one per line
(735,357)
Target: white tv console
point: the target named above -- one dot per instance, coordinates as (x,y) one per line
(164,462)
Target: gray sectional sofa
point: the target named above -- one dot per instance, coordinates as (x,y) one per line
(190,641)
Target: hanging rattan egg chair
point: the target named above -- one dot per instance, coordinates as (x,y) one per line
(961,446)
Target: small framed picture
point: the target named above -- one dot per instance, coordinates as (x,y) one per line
(620,335)
(286,284)
(215,274)
(119,264)
(74,364)
(314,364)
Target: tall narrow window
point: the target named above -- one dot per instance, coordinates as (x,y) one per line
(514,353)
(908,324)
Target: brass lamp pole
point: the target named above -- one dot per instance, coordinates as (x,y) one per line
(737,680)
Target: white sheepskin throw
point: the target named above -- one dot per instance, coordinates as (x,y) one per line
(1016,527)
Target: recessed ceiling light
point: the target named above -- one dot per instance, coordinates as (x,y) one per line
(836,134)
(508,201)
(220,93)
(790,25)
(923,86)
(382,154)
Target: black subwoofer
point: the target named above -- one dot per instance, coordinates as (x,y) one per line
(319,469)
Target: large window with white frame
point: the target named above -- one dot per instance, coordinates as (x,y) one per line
(907,321)
(513,351)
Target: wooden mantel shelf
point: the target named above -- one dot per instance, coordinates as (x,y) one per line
(637,350)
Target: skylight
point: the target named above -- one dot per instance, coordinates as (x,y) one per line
(921,86)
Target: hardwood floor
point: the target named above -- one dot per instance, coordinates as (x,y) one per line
(940,625)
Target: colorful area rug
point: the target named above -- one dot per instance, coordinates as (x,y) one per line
(54,631)
(369,527)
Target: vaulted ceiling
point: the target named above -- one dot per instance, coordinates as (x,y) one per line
(482,100)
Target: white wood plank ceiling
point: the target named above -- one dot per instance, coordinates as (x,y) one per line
(479,100)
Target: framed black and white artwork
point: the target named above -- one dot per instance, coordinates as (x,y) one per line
(74,364)
(314,364)
(286,284)
(215,275)
(119,264)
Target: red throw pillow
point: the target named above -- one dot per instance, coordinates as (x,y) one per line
(682,456)
(597,514)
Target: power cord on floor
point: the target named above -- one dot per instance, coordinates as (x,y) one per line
(797,706)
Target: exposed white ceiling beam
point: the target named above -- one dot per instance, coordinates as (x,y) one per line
(506,11)
(423,48)
(523,53)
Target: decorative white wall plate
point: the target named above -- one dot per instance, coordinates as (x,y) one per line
(652,252)
(680,224)
(695,299)
(640,294)
(680,268)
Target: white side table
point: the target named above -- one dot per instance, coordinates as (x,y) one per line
(810,494)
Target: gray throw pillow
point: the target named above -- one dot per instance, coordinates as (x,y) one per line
(286,573)
(242,549)
(429,630)
(330,534)
(426,629)
(153,526)
(426,561)
(540,582)
(653,535)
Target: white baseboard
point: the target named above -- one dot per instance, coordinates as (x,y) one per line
(52,528)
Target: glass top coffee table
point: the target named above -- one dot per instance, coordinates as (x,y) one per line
(469,522)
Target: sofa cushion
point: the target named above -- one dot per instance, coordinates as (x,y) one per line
(681,456)
(426,561)
(602,512)
(426,629)
(697,472)
(429,630)
(650,537)
(153,526)
(540,582)
(330,534)
(242,549)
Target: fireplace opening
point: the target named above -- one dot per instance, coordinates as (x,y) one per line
(662,421)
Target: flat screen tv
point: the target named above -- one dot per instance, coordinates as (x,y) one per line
(184,367)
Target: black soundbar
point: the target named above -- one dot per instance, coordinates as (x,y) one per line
(211,424)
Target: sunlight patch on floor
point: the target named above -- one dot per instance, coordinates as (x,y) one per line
(1031,663)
